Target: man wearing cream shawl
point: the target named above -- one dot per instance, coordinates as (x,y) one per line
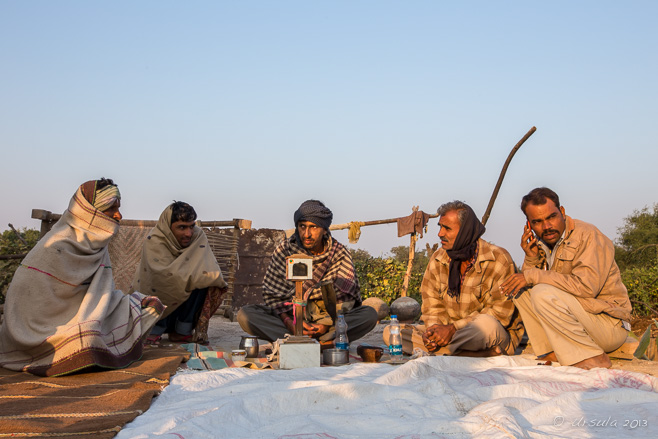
(179,268)
(62,313)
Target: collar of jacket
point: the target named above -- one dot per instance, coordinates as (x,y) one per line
(570,226)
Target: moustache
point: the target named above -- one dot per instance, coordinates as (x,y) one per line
(548,232)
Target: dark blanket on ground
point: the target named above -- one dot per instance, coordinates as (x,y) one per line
(93,403)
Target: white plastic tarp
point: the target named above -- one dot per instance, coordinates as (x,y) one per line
(431,397)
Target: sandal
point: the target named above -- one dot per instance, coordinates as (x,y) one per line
(178,338)
(152,340)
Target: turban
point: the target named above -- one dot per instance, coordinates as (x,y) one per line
(106,197)
(101,199)
(314,211)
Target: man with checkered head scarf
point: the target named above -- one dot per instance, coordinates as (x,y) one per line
(334,288)
(464,312)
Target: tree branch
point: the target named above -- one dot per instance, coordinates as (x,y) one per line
(645,304)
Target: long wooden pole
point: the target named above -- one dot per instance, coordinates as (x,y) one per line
(492,200)
(8,257)
(344,226)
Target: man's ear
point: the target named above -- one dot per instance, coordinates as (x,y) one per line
(562,210)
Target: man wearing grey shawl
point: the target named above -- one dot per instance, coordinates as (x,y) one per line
(179,268)
(333,290)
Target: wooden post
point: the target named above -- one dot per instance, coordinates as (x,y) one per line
(298,310)
(410,264)
(412,255)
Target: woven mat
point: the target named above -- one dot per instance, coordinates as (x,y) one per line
(94,404)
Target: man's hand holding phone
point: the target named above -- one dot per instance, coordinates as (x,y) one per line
(529,241)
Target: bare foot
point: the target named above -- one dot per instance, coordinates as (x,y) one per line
(599,361)
(491,352)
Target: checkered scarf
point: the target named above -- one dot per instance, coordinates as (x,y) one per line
(334,265)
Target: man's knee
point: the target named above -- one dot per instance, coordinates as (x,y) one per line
(370,315)
(243,318)
(543,296)
(488,325)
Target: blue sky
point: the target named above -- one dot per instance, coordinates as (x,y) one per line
(246,109)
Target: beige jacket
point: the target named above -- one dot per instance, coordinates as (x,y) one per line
(585,267)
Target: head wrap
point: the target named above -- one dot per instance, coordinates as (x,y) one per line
(101,199)
(464,248)
(106,197)
(314,211)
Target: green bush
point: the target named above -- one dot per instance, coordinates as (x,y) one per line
(636,254)
(11,245)
(383,277)
(637,244)
(642,284)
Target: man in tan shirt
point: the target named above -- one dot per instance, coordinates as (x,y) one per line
(464,312)
(570,294)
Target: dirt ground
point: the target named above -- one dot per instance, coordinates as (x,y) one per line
(225,335)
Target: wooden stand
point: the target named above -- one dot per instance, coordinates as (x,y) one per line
(298,310)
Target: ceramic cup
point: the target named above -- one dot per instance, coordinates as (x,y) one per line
(238,354)
(370,354)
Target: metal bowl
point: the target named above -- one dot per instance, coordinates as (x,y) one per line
(335,357)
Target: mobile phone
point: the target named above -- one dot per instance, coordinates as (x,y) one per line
(532,232)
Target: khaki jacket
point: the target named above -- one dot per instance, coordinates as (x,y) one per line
(585,267)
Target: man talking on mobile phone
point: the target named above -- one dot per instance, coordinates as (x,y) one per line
(573,303)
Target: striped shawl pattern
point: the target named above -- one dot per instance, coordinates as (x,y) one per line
(334,266)
(62,312)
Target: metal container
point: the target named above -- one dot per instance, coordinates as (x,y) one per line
(335,357)
(250,344)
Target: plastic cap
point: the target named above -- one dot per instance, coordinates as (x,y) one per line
(394,316)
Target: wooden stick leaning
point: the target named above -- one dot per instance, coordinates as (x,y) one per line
(494,195)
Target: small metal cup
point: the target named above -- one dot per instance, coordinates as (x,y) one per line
(238,354)
(250,344)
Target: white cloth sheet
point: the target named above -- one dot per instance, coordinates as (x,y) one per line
(431,397)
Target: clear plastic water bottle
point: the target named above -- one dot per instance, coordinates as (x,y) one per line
(395,340)
(341,341)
